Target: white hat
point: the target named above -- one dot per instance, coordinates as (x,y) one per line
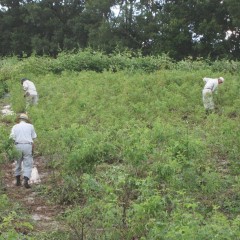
(221,78)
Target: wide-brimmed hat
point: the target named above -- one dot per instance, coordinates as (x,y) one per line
(23,116)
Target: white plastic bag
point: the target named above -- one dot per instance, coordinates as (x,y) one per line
(35,178)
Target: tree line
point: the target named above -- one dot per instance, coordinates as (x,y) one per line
(179,28)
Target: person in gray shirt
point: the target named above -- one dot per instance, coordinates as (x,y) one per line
(23,134)
(211,85)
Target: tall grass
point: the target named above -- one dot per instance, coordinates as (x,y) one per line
(133,147)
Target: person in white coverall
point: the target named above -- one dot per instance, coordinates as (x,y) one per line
(30,91)
(211,85)
(23,134)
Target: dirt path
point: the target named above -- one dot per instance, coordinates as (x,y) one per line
(42,213)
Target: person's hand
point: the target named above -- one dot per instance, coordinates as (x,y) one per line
(26,94)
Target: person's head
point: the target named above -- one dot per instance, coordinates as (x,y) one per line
(23,79)
(23,117)
(220,80)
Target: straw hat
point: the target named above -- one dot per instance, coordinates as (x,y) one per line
(23,116)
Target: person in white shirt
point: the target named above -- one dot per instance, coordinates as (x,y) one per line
(30,91)
(211,85)
(23,134)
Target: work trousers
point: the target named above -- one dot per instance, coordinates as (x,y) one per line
(25,160)
(32,100)
(207,99)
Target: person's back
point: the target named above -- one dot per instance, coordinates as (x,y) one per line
(23,132)
(29,87)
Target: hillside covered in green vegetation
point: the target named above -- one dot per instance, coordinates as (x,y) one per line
(131,152)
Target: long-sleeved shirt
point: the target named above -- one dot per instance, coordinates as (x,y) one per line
(23,133)
(211,83)
(29,87)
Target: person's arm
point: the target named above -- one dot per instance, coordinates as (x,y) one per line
(25,88)
(12,135)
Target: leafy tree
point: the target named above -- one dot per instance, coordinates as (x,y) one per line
(14,34)
(210,27)
(233,7)
(174,32)
(178,28)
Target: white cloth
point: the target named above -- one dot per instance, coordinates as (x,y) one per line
(23,132)
(29,87)
(35,178)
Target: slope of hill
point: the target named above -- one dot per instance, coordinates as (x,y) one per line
(132,155)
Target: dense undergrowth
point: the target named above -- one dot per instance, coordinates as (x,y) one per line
(132,152)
